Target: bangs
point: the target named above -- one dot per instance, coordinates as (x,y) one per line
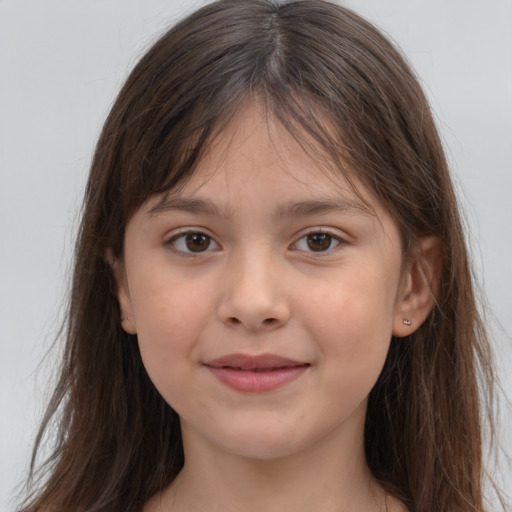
(333,82)
(168,160)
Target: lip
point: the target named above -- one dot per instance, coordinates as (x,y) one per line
(256,374)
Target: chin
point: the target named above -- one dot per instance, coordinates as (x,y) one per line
(265,443)
(264,450)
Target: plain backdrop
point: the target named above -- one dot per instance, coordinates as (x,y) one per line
(61,64)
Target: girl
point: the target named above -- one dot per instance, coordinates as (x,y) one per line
(272,307)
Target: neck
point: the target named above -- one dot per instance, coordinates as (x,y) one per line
(330,475)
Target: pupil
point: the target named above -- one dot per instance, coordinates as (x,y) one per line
(196,242)
(319,241)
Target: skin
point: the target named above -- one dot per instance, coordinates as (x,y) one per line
(258,285)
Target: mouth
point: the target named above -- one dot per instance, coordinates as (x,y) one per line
(256,374)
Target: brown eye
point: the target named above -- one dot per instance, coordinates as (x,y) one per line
(192,242)
(197,242)
(319,241)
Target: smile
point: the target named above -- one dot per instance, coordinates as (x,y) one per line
(256,374)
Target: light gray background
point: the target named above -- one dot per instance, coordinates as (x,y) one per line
(61,64)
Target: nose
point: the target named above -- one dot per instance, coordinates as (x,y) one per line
(253,296)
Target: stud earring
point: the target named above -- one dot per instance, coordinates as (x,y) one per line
(407,321)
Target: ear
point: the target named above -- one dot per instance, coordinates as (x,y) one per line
(123,293)
(420,285)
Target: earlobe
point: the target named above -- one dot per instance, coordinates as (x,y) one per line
(420,286)
(122,293)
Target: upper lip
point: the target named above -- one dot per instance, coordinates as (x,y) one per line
(258,362)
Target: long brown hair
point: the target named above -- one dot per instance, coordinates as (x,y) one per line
(117,441)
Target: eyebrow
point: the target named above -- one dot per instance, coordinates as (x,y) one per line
(283,211)
(317,207)
(188,205)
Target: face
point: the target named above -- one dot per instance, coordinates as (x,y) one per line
(263,294)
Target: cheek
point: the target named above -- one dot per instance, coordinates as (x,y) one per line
(165,300)
(352,325)
(354,305)
(170,317)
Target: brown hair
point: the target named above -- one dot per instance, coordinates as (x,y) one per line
(117,441)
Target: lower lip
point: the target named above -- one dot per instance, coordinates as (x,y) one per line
(250,381)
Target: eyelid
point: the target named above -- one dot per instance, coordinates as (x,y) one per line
(182,233)
(342,241)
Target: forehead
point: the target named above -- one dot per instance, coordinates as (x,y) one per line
(256,175)
(254,153)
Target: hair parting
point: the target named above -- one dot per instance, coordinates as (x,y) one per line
(349,98)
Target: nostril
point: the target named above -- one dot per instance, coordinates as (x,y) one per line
(266,322)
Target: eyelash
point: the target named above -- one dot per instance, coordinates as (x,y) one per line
(332,238)
(171,243)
